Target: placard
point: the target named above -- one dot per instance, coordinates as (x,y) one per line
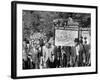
(65,37)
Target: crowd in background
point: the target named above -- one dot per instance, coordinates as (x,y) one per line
(45,54)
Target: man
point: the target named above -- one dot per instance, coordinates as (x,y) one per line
(57,52)
(82,53)
(87,53)
(24,56)
(75,53)
(25,51)
(63,56)
(33,55)
(48,52)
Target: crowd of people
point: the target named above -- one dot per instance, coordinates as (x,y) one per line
(46,54)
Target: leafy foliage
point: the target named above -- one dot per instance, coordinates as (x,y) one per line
(42,21)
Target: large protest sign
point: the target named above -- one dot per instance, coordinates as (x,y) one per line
(65,37)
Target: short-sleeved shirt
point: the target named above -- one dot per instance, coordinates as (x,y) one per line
(47,53)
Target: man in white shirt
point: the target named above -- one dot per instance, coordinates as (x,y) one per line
(48,51)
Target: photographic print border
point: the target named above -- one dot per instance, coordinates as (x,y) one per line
(14,38)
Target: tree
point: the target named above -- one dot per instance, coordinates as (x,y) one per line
(42,21)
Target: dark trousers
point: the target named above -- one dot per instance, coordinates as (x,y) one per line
(51,64)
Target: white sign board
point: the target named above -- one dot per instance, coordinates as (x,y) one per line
(65,37)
